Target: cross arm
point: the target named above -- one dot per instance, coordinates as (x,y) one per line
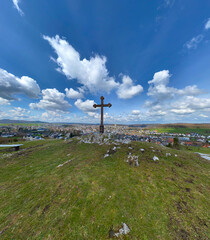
(95,105)
(107,105)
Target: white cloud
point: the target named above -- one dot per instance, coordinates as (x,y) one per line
(182,111)
(53,100)
(71,93)
(86,107)
(172,103)
(4,101)
(11,85)
(156,113)
(193,43)
(159,90)
(207,25)
(18,112)
(16,2)
(204,116)
(193,103)
(127,90)
(92,73)
(15,113)
(135,112)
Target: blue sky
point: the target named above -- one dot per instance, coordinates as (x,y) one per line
(150,59)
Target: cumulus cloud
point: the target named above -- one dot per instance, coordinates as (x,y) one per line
(207,25)
(127,89)
(16,5)
(15,113)
(135,112)
(4,101)
(10,85)
(194,103)
(91,73)
(52,100)
(172,102)
(182,111)
(87,107)
(190,104)
(18,112)
(193,43)
(160,91)
(71,93)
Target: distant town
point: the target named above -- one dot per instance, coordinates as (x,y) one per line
(31,132)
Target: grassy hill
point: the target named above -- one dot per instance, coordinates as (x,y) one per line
(89,194)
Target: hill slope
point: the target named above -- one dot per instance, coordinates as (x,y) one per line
(85,197)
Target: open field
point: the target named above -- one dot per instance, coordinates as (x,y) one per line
(205,131)
(197,149)
(82,199)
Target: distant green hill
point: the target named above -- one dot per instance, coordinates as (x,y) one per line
(88,194)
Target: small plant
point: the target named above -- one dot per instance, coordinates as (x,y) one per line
(176,143)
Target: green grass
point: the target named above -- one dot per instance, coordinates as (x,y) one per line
(205,131)
(84,198)
(197,149)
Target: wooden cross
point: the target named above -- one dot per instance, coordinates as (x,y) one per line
(102,105)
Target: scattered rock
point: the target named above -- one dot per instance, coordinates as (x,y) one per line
(61,165)
(122,231)
(106,155)
(175,155)
(168,154)
(155,158)
(130,148)
(142,150)
(133,160)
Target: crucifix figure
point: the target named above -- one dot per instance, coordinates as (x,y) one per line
(102,105)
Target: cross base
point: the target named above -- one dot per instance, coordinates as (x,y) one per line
(102,129)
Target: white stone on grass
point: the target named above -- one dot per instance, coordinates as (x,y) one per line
(133,159)
(123,231)
(168,154)
(155,158)
(61,165)
(106,155)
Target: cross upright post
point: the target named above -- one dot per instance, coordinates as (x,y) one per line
(102,105)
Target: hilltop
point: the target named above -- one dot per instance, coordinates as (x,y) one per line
(55,189)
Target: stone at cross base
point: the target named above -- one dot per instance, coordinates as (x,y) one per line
(102,105)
